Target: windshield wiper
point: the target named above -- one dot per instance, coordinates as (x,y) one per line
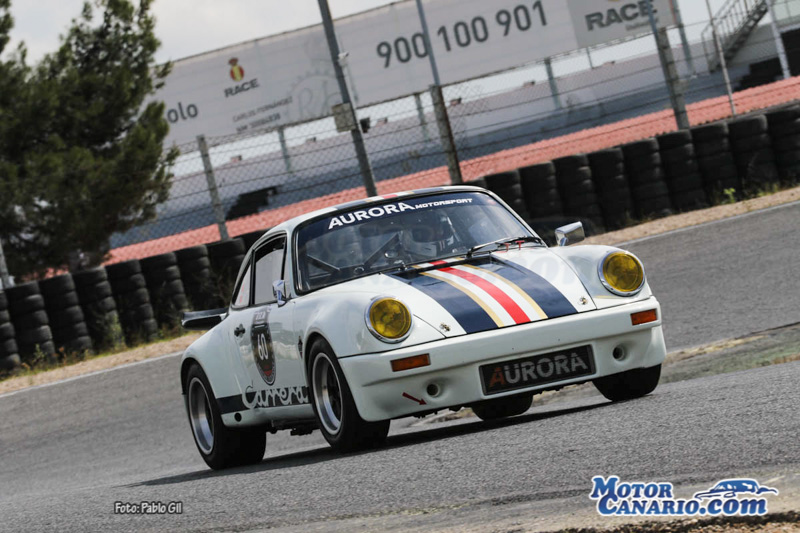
(505,240)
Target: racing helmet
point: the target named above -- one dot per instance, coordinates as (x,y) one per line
(428,233)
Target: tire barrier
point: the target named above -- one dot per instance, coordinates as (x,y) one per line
(543,201)
(646,179)
(714,157)
(70,333)
(195,268)
(613,192)
(251,238)
(99,308)
(133,301)
(681,171)
(9,352)
(30,320)
(578,196)
(167,294)
(225,257)
(751,145)
(784,129)
(507,186)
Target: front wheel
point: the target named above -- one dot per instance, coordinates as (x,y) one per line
(629,385)
(502,407)
(220,446)
(336,412)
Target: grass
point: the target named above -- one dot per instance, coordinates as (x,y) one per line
(40,362)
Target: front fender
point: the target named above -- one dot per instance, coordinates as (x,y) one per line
(584,260)
(340,319)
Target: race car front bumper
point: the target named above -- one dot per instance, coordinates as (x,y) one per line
(453,377)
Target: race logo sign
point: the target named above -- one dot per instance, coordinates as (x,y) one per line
(263,351)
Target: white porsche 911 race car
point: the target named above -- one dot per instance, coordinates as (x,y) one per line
(407,304)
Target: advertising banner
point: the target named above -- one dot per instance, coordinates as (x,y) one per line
(288,78)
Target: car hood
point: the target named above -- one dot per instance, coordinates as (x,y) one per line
(459,295)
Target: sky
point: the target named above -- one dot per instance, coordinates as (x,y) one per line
(189,27)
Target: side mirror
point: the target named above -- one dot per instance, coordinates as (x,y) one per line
(279,291)
(203,320)
(570,234)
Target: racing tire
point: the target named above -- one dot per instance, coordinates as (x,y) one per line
(629,385)
(219,446)
(502,407)
(10,362)
(334,407)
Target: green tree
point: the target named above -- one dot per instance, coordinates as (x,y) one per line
(81,152)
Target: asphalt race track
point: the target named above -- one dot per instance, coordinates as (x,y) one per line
(69,451)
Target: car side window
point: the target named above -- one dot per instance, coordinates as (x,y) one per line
(242,295)
(268,269)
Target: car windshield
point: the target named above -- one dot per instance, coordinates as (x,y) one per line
(375,237)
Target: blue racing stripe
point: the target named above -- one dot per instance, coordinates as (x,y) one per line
(553,303)
(464,309)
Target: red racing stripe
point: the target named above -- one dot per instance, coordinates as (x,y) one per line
(511,307)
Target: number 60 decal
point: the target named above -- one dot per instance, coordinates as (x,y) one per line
(263,351)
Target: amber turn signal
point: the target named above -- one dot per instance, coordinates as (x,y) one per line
(407,363)
(643,317)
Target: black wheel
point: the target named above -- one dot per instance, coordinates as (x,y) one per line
(123,270)
(220,446)
(158,262)
(191,253)
(502,180)
(502,407)
(336,412)
(629,385)
(711,148)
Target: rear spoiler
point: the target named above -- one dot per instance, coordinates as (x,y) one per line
(203,320)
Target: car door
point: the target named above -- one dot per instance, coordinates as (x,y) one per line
(267,343)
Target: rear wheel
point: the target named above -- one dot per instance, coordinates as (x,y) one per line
(336,412)
(629,385)
(220,446)
(502,407)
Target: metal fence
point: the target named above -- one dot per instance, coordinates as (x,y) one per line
(598,98)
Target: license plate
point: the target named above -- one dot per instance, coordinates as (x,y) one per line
(537,370)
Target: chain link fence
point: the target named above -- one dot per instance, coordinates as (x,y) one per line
(596,99)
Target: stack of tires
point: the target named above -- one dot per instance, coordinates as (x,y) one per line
(133,302)
(31,323)
(613,192)
(784,128)
(578,194)
(225,257)
(682,171)
(167,295)
(9,353)
(507,186)
(99,308)
(540,191)
(646,179)
(67,323)
(251,238)
(542,199)
(195,268)
(714,157)
(752,152)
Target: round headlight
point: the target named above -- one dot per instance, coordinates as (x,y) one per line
(389,319)
(622,274)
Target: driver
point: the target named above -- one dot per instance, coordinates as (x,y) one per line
(428,234)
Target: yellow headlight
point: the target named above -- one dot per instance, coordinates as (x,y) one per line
(622,273)
(389,318)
